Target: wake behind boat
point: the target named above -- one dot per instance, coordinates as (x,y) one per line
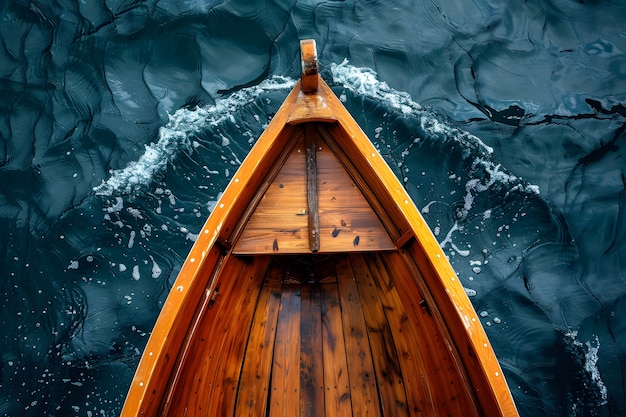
(316,288)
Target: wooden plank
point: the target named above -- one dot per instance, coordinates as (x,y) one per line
(311,359)
(359,356)
(187,337)
(420,375)
(267,242)
(458,392)
(199,373)
(388,370)
(253,389)
(311,181)
(337,401)
(279,222)
(372,182)
(461,326)
(235,338)
(198,356)
(285,383)
(347,221)
(450,390)
(253,193)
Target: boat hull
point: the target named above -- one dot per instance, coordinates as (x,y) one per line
(316,288)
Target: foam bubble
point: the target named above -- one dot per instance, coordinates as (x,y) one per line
(136,275)
(470,292)
(156,269)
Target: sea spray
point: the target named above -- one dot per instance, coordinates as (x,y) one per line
(484,173)
(364,82)
(589,351)
(176,136)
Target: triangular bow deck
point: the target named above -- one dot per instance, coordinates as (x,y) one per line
(322,211)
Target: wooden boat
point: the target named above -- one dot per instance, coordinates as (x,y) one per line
(316,288)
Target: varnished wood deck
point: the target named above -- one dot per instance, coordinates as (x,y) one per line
(311,205)
(319,335)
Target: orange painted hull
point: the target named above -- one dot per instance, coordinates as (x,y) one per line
(316,288)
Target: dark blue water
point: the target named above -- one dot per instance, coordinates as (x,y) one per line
(122,121)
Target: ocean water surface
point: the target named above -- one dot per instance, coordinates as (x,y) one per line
(121,122)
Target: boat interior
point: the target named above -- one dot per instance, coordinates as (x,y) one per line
(320,335)
(315,311)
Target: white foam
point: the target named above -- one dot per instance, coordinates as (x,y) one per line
(591,362)
(484,171)
(426,208)
(175,137)
(448,237)
(156,269)
(462,252)
(495,175)
(136,275)
(470,292)
(179,133)
(364,82)
(131,239)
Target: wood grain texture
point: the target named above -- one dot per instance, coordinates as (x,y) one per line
(312,205)
(419,340)
(254,382)
(363,387)
(285,384)
(281,215)
(311,185)
(214,357)
(337,389)
(321,335)
(389,377)
(344,211)
(311,357)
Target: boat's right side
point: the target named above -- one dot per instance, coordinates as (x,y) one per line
(424,273)
(468,373)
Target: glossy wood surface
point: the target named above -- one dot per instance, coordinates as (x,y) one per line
(319,335)
(281,222)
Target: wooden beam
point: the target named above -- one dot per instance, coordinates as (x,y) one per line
(361,373)
(311,180)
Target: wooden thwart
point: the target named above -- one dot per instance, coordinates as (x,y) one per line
(311,183)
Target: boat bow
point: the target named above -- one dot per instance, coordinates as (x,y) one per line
(316,287)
